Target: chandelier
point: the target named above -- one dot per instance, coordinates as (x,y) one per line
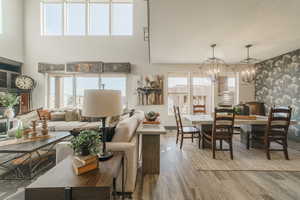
(213,66)
(248,71)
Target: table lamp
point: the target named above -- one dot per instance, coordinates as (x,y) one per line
(102,104)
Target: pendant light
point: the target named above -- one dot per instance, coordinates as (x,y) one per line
(213,66)
(248,67)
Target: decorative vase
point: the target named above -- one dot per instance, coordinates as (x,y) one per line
(18,133)
(9,113)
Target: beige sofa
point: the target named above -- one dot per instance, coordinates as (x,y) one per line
(125,139)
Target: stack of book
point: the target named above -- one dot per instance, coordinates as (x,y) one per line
(151,124)
(84,164)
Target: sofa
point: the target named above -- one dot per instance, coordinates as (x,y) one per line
(126,140)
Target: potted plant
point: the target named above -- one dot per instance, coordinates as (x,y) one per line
(86,143)
(9,101)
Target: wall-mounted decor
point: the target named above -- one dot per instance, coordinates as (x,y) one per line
(150,90)
(278,83)
(95,67)
(53,68)
(117,68)
(85,67)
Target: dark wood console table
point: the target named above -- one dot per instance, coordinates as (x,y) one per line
(61,180)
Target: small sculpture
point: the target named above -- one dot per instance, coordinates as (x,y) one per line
(34,133)
(45,126)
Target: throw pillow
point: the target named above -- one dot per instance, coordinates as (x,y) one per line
(26,119)
(71,115)
(125,130)
(58,116)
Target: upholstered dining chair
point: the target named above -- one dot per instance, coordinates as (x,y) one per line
(185,132)
(222,130)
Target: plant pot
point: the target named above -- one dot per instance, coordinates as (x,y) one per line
(85,151)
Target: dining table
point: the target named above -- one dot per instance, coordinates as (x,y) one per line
(248,125)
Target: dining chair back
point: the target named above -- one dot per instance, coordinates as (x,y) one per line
(199,109)
(277,129)
(222,130)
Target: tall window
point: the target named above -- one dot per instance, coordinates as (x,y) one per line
(227,90)
(122,18)
(76,18)
(178,93)
(52,18)
(83,83)
(87,17)
(51,97)
(68,91)
(99,18)
(187,89)
(115,83)
(202,92)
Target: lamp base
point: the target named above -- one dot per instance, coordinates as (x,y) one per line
(105,156)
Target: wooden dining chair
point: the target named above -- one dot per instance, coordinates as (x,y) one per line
(189,132)
(199,109)
(222,130)
(277,130)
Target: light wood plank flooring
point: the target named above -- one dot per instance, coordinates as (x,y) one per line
(179,181)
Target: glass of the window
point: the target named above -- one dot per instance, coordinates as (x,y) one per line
(68,98)
(99,19)
(52,18)
(178,94)
(122,18)
(202,93)
(51,99)
(76,18)
(227,90)
(83,83)
(115,83)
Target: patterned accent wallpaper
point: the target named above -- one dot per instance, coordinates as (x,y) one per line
(278,83)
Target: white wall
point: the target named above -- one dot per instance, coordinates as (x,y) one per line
(11,39)
(107,49)
(182,31)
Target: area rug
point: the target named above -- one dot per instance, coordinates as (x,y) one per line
(244,160)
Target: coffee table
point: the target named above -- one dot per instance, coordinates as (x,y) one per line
(61,183)
(13,155)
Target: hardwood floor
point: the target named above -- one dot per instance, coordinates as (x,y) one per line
(179,181)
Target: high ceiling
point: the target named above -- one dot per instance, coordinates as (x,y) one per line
(183,30)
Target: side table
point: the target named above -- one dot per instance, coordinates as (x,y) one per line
(151,148)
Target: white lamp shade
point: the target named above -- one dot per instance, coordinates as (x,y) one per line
(102,103)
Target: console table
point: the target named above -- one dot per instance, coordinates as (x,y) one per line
(61,183)
(151,148)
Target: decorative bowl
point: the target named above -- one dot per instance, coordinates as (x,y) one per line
(151,116)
